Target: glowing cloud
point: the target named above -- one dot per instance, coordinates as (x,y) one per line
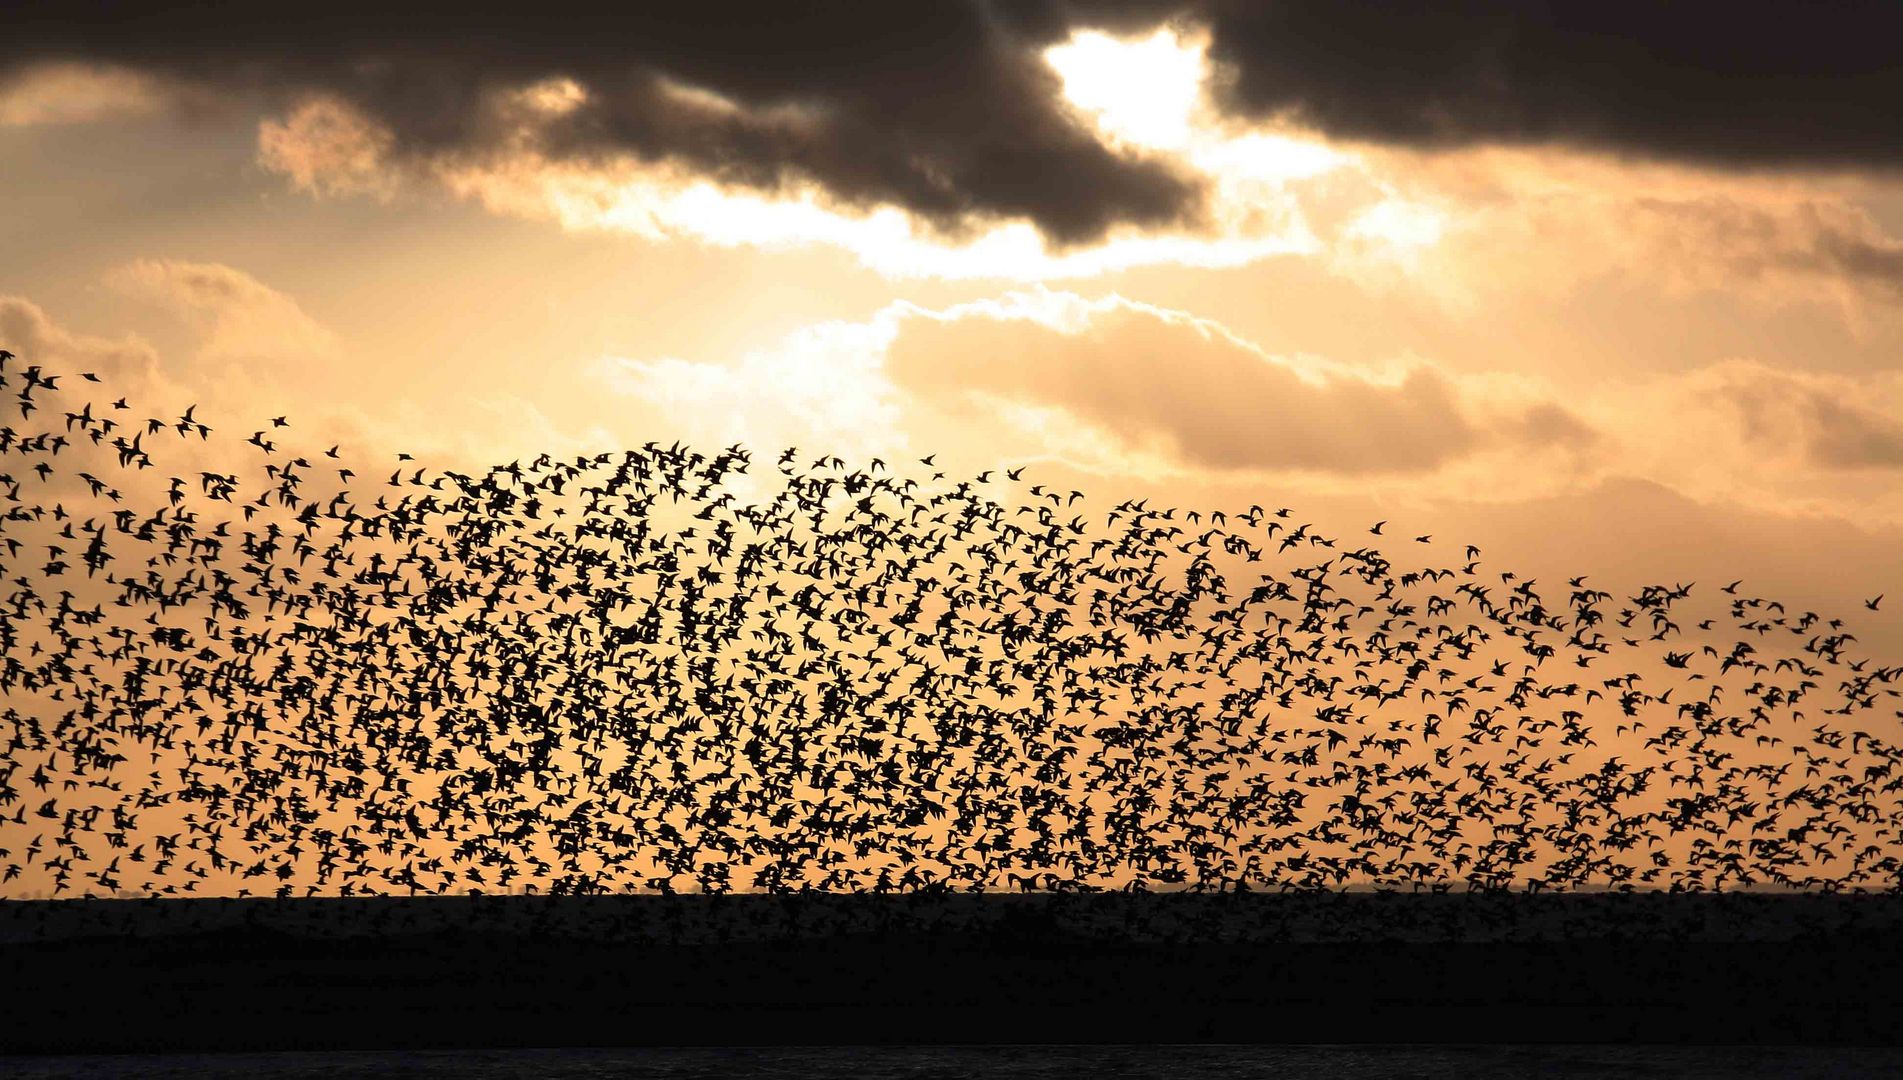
(64,93)
(1144,97)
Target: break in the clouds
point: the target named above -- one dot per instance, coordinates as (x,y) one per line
(942,110)
(951,113)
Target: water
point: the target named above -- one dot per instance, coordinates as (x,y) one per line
(1012,1062)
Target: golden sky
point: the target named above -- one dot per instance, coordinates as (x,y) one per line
(1600,295)
(1438,273)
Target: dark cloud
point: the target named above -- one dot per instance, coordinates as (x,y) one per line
(1848,436)
(1741,84)
(1831,422)
(1871,259)
(945,109)
(1548,424)
(1811,240)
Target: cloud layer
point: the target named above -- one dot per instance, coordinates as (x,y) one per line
(1160,378)
(943,111)
(1120,388)
(950,112)
(1111,383)
(27,331)
(1747,84)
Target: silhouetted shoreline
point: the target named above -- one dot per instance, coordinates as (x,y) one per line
(317,974)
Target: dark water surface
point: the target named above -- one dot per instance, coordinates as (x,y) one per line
(1016,1062)
(1262,972)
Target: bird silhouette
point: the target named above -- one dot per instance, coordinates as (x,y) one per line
(222,670)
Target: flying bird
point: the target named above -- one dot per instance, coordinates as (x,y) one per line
(650,670)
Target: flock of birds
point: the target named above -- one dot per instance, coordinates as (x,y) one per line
(665,670)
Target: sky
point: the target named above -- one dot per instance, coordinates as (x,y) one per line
(1599,289)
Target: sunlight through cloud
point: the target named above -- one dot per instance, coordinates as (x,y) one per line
(1143,96)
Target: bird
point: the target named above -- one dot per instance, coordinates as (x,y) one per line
(650,670)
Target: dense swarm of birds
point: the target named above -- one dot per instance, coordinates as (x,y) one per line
(668,670)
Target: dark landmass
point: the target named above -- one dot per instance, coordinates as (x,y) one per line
(322,974)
